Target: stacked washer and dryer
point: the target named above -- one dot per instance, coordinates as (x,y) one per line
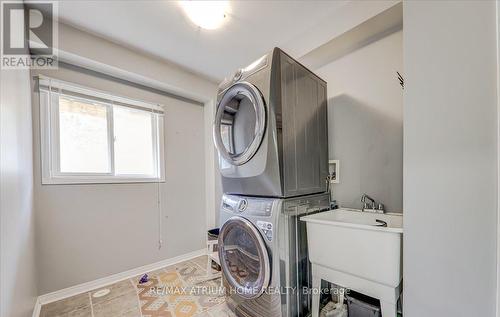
(270,131)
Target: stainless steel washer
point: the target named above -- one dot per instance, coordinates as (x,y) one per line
(263,253)
(270,129)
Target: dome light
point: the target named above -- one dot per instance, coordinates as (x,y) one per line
(206,14)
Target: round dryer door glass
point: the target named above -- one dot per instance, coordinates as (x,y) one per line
(240,123)
(244,258)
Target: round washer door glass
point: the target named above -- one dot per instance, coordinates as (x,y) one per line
(240,123)
(244,258)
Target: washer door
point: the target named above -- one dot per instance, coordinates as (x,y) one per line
(240,123)
(244,258)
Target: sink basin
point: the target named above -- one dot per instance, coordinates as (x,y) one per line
(355,243)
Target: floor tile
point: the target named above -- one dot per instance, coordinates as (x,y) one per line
(155,298)
(190,273)
(201,261)
(84,312)
(116,290)
(221,311)
(117,307)
(152,274)
(65,306)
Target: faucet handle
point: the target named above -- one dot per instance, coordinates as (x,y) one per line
(380,207)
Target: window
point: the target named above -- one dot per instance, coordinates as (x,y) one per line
(90,136)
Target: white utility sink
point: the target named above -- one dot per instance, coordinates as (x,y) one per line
(358,250)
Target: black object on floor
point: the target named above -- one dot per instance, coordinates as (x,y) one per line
(359,305)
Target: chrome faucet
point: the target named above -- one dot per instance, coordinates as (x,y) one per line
(364,199)
(369,204)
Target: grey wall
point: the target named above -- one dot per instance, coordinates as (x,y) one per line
(365,119)
(18,287)
(86,232)
(450,190)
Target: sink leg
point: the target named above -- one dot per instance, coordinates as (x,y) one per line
(316,294)
(388,309)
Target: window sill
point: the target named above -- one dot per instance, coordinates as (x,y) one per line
(100,180)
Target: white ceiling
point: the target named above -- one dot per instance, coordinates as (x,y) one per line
(160,28)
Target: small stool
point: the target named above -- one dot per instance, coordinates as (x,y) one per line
(212,256)
(213,253)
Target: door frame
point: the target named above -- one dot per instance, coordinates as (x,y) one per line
(261,244)
(251,92)
(497,11)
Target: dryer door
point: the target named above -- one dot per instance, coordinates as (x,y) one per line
(244,258)
(240,123)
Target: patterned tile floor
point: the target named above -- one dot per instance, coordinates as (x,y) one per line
(180,290)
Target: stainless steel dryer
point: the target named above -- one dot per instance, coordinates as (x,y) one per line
(263,254)
(270,129)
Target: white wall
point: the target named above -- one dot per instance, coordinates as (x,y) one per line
(348,16)
(365,120)
(18,288)
(90,51)
(87,50)
(85,232)
(313,49)
(450,186)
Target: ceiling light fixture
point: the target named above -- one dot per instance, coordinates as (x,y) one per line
(206,14)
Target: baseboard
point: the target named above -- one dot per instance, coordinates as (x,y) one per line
(89,286)
(37,308)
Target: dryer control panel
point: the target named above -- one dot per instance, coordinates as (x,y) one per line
(248,206)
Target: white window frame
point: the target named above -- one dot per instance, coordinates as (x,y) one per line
(49,90)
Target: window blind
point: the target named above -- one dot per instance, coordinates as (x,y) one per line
(70,89)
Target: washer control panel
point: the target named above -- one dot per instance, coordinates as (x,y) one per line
(267,229)
(247,205)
